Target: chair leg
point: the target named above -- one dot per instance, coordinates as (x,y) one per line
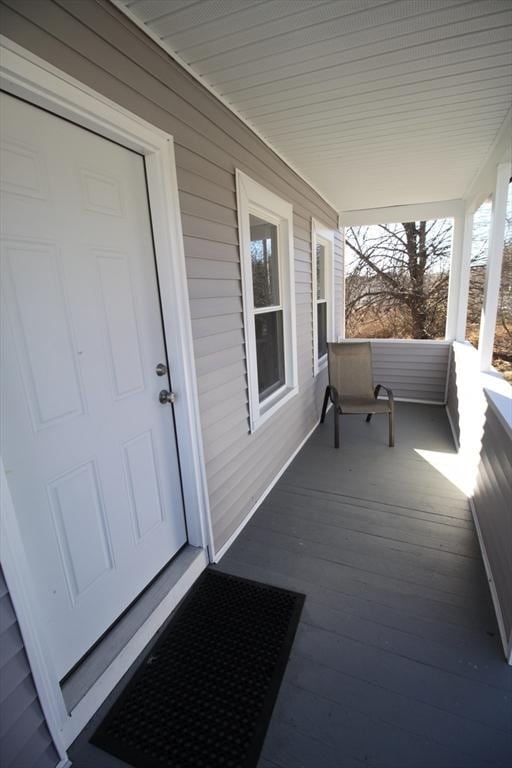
(324,406)
(369,417)
(391,417)
(336,427)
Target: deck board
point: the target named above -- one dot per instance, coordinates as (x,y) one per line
(397,660)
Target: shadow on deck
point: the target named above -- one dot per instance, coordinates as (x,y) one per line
(397,661)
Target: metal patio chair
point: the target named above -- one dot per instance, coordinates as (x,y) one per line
(351,386)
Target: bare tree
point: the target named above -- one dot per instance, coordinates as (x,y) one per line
(398,280)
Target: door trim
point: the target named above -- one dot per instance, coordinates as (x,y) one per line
(27,76)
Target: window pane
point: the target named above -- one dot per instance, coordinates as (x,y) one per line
(269,352)
(397,279)
(320,271)
(502,353)
(321,311)
(478,269)
(265,263)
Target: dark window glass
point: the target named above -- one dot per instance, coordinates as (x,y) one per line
(321,310)
(265,264)
(269,352)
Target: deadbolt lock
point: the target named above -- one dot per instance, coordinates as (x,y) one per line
(161,369)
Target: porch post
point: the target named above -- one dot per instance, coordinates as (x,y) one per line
(463,276)
(494,264)
(456,270)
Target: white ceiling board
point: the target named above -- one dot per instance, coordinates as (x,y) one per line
(376,102)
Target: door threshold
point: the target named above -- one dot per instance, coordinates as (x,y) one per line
(85,689)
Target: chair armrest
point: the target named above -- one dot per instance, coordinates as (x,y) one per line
(388,392)
(333,394)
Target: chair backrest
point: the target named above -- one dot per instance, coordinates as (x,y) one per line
(350,368)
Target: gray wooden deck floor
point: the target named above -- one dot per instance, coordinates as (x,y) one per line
(397,661)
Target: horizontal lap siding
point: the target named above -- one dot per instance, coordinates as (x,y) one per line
(24,737)
(492,500)
(414,370)
(93,42)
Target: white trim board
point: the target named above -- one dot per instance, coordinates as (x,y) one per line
(222,551)
(97,694)
(415,400)
(177,58)
(441,209)
(482,183)
(27,76)
(507,644)
(255,199)
(319,233)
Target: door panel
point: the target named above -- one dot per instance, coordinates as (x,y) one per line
(89,451)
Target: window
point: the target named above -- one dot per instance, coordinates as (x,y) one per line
(478,268)
(266,257)
(322,242)
(397,277)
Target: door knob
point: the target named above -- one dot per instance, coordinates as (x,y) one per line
(166,397)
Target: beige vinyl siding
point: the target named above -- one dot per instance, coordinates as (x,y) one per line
(96,44)
(492,499)
(414,370)
(24,736)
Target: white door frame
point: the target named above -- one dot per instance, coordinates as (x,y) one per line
(27,76)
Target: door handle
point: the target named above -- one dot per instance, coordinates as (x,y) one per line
(166,397)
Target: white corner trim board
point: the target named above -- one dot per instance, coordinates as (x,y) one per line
(27,76)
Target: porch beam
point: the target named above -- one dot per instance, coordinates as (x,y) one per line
(442,209)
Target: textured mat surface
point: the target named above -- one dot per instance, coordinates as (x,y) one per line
(204,696)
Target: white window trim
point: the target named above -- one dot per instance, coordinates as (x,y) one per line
(253,198)
(321,234)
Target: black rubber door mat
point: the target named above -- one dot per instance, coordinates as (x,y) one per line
(204,696)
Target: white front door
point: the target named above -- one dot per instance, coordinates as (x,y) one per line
(89,451)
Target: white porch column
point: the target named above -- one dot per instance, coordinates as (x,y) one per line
(463,277)
(458,269)
(494,264)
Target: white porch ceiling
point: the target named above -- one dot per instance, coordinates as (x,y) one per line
(376,102)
